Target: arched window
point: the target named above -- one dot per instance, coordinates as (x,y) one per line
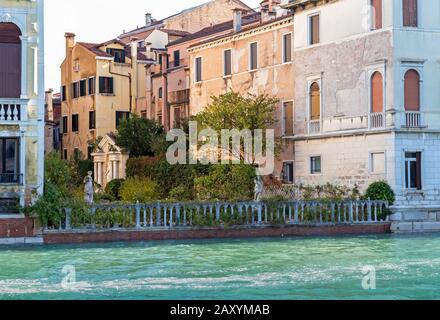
(376,92)
(376,14)
(10,62)
(412,90)
(315,101)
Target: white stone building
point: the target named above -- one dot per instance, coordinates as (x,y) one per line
(367,103)
(21,102)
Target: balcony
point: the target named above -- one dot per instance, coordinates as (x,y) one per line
(11,178)
(12,111)
(413,119)
(315,127)
(377,120)
(178,97)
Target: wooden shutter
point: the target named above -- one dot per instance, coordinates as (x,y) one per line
(315,101)
(254,56)
(377,7)
(412,90)
(419,171)
(409,8)
(314,29)
(228,63)
(377,93)
(288,118)
(198,69)
(10,61)
(110,83)
(287,47)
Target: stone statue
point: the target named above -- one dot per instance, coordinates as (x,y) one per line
(259,188)
(88,188)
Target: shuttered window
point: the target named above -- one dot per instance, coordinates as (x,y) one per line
(412,90)
(198,69)
(106,85)
(376,14)
(75,123)
(176,58)
(10,61)
(315,101)
(177,117)
(376,92)
(288,118)
(410,13)
(63,93)
(91,82)
(92,120)
(65,125)
(314,29)
(287,48)
(82,88)
(253,56)
(75,90)
(227,60)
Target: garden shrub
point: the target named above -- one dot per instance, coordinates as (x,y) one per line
(139,189)
(380,190)
(113,188)
(226,182)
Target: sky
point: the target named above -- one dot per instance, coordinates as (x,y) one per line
(98,21)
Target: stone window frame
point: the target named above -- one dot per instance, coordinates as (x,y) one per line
(370,71)
(417,65)
(310,81)
(419,15)
(309,29)
(283,58)
(283,124)
(195,69)
(371,12)
(370,162)
(310,165)
(250,69)
(293,175)
(224,63)
(423,169)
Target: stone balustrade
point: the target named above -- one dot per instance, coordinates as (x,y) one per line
(177,215)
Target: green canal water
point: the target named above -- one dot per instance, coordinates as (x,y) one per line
(406,267)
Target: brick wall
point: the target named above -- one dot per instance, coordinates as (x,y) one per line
(16,228)
(212,233)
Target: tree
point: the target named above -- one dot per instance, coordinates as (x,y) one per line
(141,137)
(233,111)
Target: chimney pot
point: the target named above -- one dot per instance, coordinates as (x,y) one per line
(148,19)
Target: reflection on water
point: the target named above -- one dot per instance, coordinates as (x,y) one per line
(407,267)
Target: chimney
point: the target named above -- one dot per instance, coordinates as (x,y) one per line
(237,19)
(70,40)
(148,52)
(148,19)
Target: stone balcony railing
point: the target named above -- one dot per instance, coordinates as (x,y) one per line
(413,119)
(12,111)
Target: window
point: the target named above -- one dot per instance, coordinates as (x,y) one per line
(75,123)
(118,54)
(376,14)
(288,172)
(120,116)
(91,86)
(315,165)
(227,62)
(9,160)
(90,150)
(377,163)
(412,90)
(287,48)
(106,85)
(65,125)
(314,29)
(160,93)
(288,118)
(82,88)
(410,13)
(176,57)
(65,154)
(76,65)
(315,101)
(92,120)
(177,117)
(377,93)
(63,93)
(198,69)
(75,90)
(413,170)
(10,62)
(253,56)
